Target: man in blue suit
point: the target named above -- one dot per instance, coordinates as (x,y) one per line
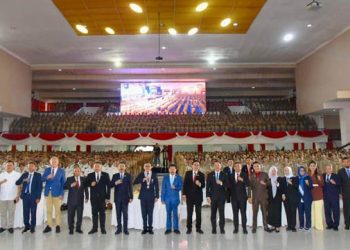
(149,194)
(30,194)
(54,177)
(331,192)
(171,187)
(123,195)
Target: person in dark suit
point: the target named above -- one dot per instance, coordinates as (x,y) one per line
(304,208)
(331,192)
(238,184)
(216,195)
(149,194)
(30,195)
(274,208)
(77,191)
(344,176)
(259,195)
(171,188)
(229,171)
(248,167)
(100,193)
(290,196)
(192,193)
(123,195)
(54,178)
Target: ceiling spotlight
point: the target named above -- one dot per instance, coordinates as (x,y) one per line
(192,31)
(59,70)
(225,22)
(235,24)
(202,6)
(144,29)
(118,63)
(109,30)
(82,28)
(163,47)
(73,89)
(253,87)
(288,37)
(309,25)
(99,48)
(211,61)
(172,31)
(135,7)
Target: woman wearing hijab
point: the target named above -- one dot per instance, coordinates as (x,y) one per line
(290,197)
(275,200)
(317,197)
(304,208)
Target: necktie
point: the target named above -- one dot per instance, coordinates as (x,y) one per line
(53,172)
(194,176)
(236,177)
(77,181)
(98,177)
(27,191)
(217,176)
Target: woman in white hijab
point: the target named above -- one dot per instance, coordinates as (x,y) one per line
(274,214)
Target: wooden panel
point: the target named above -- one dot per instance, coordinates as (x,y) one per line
(180,14)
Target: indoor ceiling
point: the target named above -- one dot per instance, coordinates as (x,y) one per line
(181,15)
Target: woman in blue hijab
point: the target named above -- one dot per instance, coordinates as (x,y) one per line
(304,208)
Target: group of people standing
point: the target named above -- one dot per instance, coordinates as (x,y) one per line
(311,193)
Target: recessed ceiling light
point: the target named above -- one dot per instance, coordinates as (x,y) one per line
(135,7)
(202,6)
(109,30)
(172,31)
(73,89)
(144,29)
(99,48)
(253,87)
(235,24)
(59,70)
(82,28)
(163,47)
(118,63)
(211,61)
(225,22)
(334,110)
(192,31)
(288,37)
(309,25)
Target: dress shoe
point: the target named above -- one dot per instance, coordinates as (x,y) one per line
(268,230)
(200,231)
(245,231)
(118,232)
(144,232)
(222,231)
(126,232)
(347,227)
(288,229)
(150,231)
(177,231)
(47,229)
(329,227)
(79,231)
(32,230)
(92,231)
(277,230)
(294,230)
(335,228)
(189,231)
(58,229)
(103,231)
(254,230)
(25,230)
(235,231)
(1,230)
(167,231)
(71,231)
(10,230)
(213,231)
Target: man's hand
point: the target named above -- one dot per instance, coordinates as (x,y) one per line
(26,180)
(219,182)
(262,183)
(284,197)
(307,182)
(50,176)
(319,178)
(239,178)
(332,181)
(198,183)
(93,183)
(37,201)
(73,184)
(118,182)
(290,182)
(209,200)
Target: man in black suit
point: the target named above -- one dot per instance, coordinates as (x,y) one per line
(149,194)
(238,183)
(192,193)
(216,196)
(31,195)
(248,167)
(76,193)
(229,171)
(123,195)
(100,193)
(344,176)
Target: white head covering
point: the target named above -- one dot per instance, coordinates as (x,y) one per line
(273,180)
(290,175)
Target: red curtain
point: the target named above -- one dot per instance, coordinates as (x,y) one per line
(296,146)
(126,137)
(162,136)
(52,137)
(309,133)
(13,148)
(302,146)
(251,147)
(314,146)
(238,134)
(200,149)
(77,148)
(263,147)
(170,153)
(330,145)
(275,135)
(49,148)
(15,137)
(88,137)
(88,148)
(200,135)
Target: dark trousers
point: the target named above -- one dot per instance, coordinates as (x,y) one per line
(198,209)
(239,205)
(147,207)
(304,209)
(215,206)
(29,211)
(332,212)
(72,210)
(263,206)
(98,207)
(122,208)
(346,212)
(291,213)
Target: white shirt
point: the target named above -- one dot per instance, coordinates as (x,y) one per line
(8,190)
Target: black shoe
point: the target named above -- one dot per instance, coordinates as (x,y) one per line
(103,231)
(144,232)
(150,231)
(58,229)
(25,230)
(126,232)
(189,231)
(235,231)
(254,230)
(245,231)
(294,230)
(47,229)
(347,227)
(118,232)
(79,231)
(213,231)
(268,230)
(92,231)
(222,231)
(167,232)
(2,230)
(10,230)
(177,232)
(200,231)
(335,228)
(288,229)
(277,230)
(71,231)
(329,227)
(32,230)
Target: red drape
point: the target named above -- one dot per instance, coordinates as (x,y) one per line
(52,137)
(263,147)
(13,148)
(238,134)
(163,136)
(302,146)
(77,148)
(49,148)
(170,153)
(296,146)
(330,145)
(275,135)
(200,149)
(251,147)
(88,148)
(126,137)
(314,146)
